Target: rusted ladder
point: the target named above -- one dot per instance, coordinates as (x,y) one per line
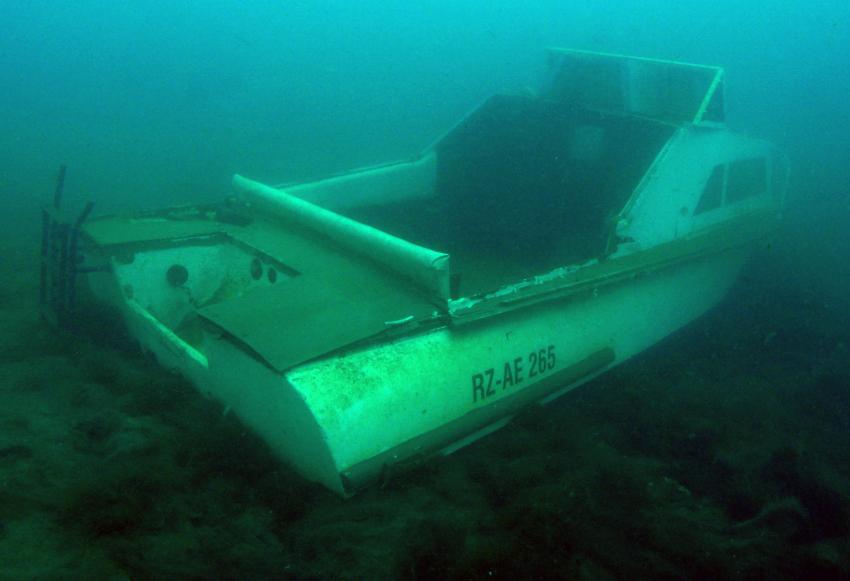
(61,259)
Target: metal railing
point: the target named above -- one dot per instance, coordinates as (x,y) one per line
(61,259)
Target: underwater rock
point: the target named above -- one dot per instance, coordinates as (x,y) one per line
(114,438)
(785,517)
(827,510)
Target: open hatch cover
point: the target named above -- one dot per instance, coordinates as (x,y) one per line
(306,317)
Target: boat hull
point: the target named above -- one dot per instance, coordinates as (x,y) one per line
(342,419)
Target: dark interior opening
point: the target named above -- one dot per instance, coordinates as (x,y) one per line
(525,185)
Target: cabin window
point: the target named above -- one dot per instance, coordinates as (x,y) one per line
(747,177)
(712,195)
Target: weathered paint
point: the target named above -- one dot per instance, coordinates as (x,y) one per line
(371,400)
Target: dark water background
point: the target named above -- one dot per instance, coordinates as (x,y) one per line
(720,453)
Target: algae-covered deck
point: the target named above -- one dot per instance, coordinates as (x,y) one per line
(298,295)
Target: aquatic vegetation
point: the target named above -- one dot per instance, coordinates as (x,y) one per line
(116,503)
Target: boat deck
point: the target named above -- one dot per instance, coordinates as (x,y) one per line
(332,297)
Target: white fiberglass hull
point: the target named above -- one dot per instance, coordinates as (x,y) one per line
(341,419)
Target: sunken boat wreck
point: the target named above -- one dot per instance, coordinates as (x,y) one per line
(371,318)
